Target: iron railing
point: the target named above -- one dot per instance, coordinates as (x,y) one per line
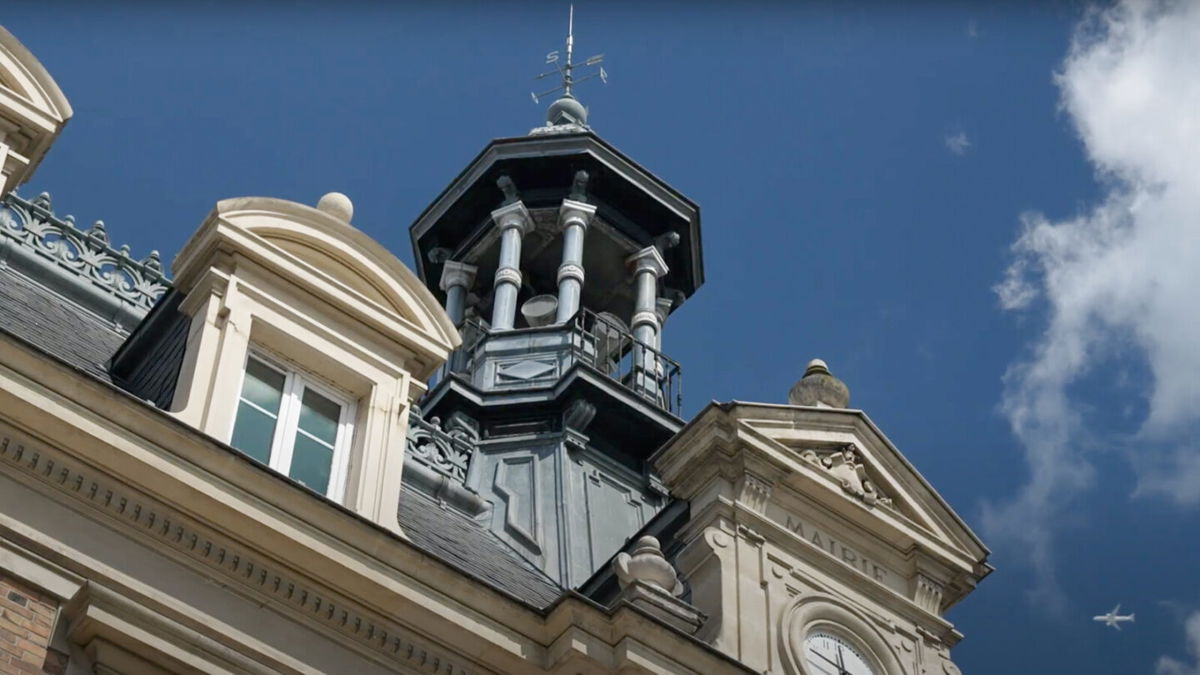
(447,453)
(600,341)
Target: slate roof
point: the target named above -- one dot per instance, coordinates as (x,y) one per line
(58,326)
(63,329)
(473,549)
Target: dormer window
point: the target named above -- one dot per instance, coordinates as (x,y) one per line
(294,425)
(267,284)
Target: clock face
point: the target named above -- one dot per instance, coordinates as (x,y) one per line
(828,654)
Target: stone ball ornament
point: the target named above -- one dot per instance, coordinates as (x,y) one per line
(566,110)
(649,566)
(337,205)
(819,388)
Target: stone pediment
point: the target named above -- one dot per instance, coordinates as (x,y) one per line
(831,478)
(844,452)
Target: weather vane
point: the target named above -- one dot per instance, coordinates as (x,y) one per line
(567,71)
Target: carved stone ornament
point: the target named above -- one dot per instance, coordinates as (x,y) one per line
(755,492)
(649,566)
(845,465)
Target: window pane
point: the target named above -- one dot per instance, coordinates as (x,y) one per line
(263,386)
(253,431)
(311,463)
(319,416)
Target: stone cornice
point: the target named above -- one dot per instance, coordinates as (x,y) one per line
(260,527)
(223,556)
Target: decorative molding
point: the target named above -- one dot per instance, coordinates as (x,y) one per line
(514,496)
(648,260)
(508,275)
(513,215)
(579,414)
(555,129)
(575,421)
(845,465)
(87,256)
(570,271)
(644,318)
(456,273)
(526,370)
(224,558)
(574,212)
(928,593)
(755,492)
(448,453)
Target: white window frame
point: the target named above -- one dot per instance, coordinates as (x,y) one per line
(287,425)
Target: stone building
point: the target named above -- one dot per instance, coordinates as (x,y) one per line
(290,453)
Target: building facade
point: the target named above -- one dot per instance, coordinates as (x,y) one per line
(290,453)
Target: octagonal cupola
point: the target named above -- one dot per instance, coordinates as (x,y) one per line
(559,258)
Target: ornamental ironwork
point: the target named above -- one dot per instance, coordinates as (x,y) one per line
(87,254)
(448,453)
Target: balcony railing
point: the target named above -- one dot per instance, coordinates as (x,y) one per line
(538,355)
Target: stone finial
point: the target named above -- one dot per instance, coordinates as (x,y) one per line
(819,388)
(649,566)
(337,205)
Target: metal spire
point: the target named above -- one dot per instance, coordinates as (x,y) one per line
(567,71)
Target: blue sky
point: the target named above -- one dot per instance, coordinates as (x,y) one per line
(864,171)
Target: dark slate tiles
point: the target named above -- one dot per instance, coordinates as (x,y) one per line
(472,548)
(56,325)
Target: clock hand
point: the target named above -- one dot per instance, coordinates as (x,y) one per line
(841,664)
(826,659)
(841,670)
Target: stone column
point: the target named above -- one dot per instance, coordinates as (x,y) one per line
(574,217)
(648,265)
(457,278)
(514,223)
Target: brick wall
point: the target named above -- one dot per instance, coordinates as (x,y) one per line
(26,621)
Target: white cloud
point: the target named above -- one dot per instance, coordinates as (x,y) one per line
(957,142)
(1169,666)
(1121,280)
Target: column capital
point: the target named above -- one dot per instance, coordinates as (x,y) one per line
(662,308)
(575,213)
(456,273)
(513,215)
(648,260)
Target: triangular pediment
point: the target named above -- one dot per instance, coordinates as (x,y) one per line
(826,485)
(846,454)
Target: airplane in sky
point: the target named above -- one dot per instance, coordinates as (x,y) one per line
(1113,618)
